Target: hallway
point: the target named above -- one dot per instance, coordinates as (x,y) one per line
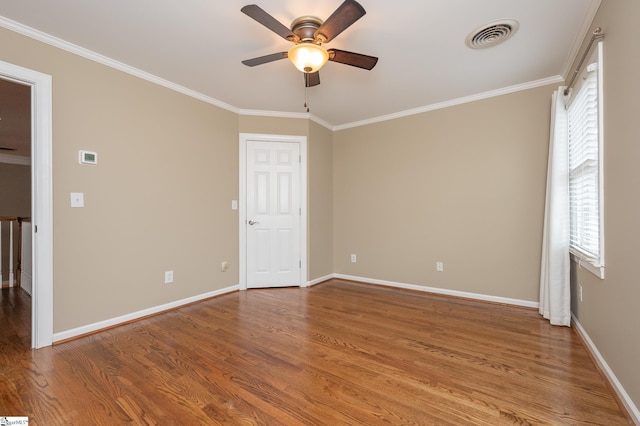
(15,315)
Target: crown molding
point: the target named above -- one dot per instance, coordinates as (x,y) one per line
(453,102)
(276,114)
(88,54)
(104,60)
(587,23)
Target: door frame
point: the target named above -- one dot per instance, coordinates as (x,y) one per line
(242,210)
(41,199)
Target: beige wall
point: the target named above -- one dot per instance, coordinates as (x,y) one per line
(609,311)
(158,200)
(462,185)
(320,206)
(15,190)
(15,200)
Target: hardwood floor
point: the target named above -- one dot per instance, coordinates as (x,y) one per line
(336,353)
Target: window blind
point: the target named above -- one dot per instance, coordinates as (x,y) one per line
(584,191)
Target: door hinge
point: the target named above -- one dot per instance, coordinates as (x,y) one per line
(300,159)
(299,211)
(299,263)
(35,228)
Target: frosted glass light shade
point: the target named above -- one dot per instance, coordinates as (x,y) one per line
(308,57)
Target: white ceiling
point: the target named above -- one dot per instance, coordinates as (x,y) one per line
(198,45)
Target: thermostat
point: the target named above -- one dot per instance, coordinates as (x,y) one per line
(88,157)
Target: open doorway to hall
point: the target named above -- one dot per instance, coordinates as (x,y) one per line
(15,212)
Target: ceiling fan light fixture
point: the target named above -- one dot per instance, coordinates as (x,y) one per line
(308,57)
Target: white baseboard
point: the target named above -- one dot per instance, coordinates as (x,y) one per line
(101,325)
(26,283)
(476,296)
(622,394)
(320,280)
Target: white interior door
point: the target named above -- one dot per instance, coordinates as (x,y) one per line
(273,214)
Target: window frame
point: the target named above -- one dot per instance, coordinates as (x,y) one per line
(595,266)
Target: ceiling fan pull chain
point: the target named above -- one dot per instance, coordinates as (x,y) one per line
(306,96)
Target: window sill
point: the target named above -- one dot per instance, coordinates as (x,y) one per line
(595,269)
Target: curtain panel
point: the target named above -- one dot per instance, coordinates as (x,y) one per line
(555,295)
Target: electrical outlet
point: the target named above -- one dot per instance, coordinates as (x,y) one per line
(168,277)
(224,266)
(354,258)
(439,267)
(580,292)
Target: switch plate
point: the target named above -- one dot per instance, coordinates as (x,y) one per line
(439,267)
(168,277)
(77,199)
(234,204)
(224,266)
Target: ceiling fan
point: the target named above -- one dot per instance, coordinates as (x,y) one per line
(308,34)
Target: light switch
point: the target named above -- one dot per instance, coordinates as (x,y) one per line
(234,204)
(77,199)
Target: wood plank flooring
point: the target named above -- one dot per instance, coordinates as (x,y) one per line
(338,353)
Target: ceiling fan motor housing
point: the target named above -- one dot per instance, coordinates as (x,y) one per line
(308,34)
(305,27)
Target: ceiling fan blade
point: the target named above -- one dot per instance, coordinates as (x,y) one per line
(341,19)
(257,13)
(311,79)
(265,59)
(354,59)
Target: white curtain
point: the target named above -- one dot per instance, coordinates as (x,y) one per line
(555,296)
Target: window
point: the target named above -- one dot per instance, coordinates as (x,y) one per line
(585,167)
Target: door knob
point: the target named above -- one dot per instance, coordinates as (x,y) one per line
(253,222)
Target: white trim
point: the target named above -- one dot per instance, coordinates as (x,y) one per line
(456,293)
(277,114)
(15,159)
(242,212)
(320,280)
(104,60)
(588,265)
(88,54)
(611,377)
(321,122)
(282,114)
(454,102)
(41,199)
(101,325)
(601,133)
(581,35)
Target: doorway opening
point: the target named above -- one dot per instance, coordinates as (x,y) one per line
(41,199)
(15,213)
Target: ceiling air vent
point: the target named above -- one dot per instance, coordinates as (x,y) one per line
(492,34)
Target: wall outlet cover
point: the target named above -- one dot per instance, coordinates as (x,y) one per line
(77,199)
